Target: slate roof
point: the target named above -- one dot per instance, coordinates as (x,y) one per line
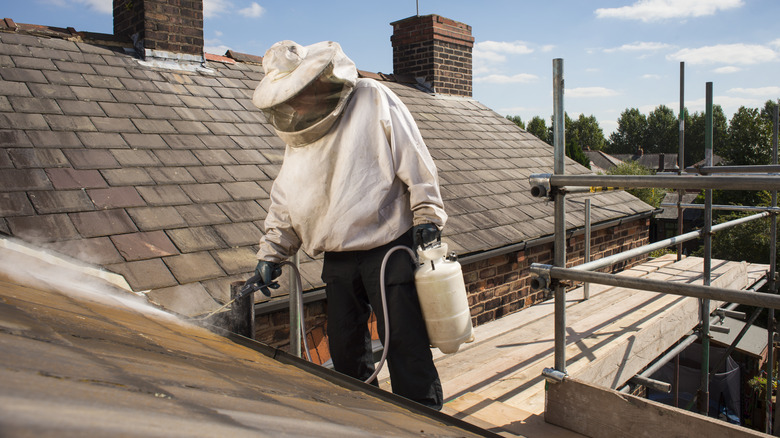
(163,176)
(601,161)
(652,161)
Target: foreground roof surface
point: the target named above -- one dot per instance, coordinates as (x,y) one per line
(79,357)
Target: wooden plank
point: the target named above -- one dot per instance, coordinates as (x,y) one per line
(599,412)
(495,416)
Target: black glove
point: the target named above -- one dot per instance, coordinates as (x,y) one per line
(425,235)
(265,273)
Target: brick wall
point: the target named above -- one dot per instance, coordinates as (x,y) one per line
(171,25)
(496,287)
(437,49)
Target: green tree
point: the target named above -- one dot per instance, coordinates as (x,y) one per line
(694,135)
(650,196)
(631,133)
(663,131)
(538,127)
(749,241)
(749,138)
(589,135)
(572,147)
(516,120)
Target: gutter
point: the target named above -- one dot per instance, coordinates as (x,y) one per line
(318,294)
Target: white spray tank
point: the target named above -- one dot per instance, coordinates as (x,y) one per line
(442,296)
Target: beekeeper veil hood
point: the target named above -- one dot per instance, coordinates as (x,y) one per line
(304,89)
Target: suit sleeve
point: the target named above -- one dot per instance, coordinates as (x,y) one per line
(414,165)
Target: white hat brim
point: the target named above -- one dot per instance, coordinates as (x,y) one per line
(280,87)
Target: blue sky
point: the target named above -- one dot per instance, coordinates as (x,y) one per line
(617,54)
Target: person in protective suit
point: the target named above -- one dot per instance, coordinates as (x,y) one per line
(357,180)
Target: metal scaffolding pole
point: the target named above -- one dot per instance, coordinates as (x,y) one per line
(772,285)
(586,286)
(681,158)
(645,249)
(769,168)
(687,290)
(697,182)
(559,245)
(724,207)
(703,395)
(295,304)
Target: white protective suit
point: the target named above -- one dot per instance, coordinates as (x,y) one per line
(362,185)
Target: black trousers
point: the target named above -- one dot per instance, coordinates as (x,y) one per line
(353,290)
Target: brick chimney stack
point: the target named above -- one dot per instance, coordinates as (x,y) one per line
(173,26)
(436,49)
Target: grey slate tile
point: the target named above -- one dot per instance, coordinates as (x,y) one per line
(202,214)
(120,110)
(103,140)
(189,127)
(23,75)
(183,141)
(65,78)
(164,195)
(51,91)
(170,175)
(153,126)
(158,112)
(113,124)
(144,141)
(93,94)
(25,158)
(15,204)
(69,123)
(78,108)
(156,218)
(177,157)
(42,228)
(91,159)
(54,139)
(34,105)
(132,176)
(135,157)
(73,67)
(137,85)
(127,96)
(9,89)
(103,81)
(29,62)
(24,121)
(61,201)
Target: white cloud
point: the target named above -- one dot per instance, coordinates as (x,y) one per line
(504,79)
(741,54)
(760,91)
(775,43)
(253,11)
(655,10)
(590,92)
(219,49)
(493,57)
(650,76)
(513,48)
(549,48)
(102,6)
(727,70)
(212,8)
(639,46)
